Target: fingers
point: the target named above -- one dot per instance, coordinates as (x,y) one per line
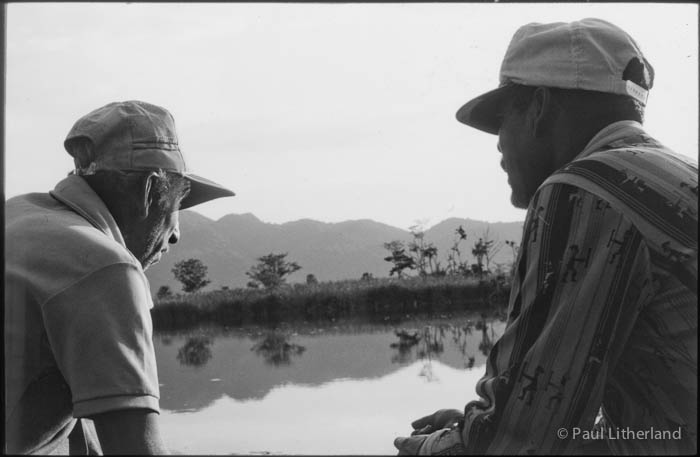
(423,421)
(410,445)
(423,431)
(446,417)
(424,427)
(439,419)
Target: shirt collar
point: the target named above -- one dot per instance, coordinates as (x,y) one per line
(607,135)
(77,194)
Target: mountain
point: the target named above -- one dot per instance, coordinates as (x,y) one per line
(329,251)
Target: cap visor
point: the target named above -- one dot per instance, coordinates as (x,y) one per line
(202,190)
(484,112)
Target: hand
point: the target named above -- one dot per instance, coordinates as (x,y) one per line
(410,445)
(442,418)
(447,441)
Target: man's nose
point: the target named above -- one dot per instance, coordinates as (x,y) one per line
(503,162)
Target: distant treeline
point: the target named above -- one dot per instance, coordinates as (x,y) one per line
(373,299)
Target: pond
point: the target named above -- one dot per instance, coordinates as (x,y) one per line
(341,388)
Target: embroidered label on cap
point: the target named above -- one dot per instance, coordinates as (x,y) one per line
(636,91)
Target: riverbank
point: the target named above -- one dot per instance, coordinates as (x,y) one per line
(374,299)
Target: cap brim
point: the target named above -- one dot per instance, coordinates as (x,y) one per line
(202,190)
(485,111)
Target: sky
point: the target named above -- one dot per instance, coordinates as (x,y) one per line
(331,112)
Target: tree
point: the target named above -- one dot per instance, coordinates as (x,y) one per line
(399,258)
(311,280)
(493,247)
(484,250)
(455,265)
(191,273)
(479,252)
(271,271)
(163,293)
(424,254)
(417,247)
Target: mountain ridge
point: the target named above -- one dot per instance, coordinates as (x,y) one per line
(330,251)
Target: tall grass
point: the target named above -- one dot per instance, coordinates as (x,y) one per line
(375,300)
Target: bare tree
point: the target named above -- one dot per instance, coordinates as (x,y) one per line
(492,247)
(455,265)
(424,253)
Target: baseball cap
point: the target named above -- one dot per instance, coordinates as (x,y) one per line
(139,136)
(590,54)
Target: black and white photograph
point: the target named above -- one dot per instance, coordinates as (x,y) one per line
(350,228)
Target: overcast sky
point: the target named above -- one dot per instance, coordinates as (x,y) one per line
(324,111)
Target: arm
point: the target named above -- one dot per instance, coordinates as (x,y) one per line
(582,280)
(100,333)
(574,301)
(129,431)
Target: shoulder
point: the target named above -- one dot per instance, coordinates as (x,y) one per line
(635,164)
(49,246)
(650,184)
(37,220)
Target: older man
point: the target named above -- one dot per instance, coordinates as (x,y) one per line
(603,308)
(77,324)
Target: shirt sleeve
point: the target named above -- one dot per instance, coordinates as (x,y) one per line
(100,332)
(583,275)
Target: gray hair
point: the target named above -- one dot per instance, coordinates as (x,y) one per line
(166,184)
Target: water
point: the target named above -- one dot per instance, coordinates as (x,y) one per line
(344,388)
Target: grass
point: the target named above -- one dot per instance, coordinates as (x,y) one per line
(375,300)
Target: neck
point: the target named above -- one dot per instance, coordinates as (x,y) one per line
(572,137)
(121,206)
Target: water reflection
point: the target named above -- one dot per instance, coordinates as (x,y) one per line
(488,337)
(429,342)
(196,352)
(197,367)
(343,416)
(276,349)
(404,347)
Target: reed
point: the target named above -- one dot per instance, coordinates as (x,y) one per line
(374,299)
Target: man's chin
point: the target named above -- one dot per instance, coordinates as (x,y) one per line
(151,261)
(519,201)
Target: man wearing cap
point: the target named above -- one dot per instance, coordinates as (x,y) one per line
(603,307)
(78,333)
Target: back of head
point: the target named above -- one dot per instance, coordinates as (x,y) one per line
(119,189)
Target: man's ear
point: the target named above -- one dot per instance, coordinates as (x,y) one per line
(540,111)
(146,195)
(81,149)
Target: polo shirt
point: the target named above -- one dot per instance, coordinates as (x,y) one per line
(602,318)
(78,331)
